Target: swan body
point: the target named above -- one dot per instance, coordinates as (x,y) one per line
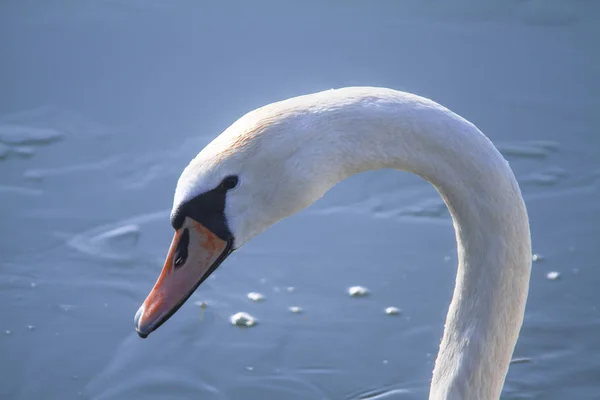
(280,158)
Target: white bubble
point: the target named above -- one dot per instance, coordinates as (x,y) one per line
(553,275)
(393,311)
(295,309)
(255,296)
(243,319)
(358,291)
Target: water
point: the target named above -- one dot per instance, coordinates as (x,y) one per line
(103,105)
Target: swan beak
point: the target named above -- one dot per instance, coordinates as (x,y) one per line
(194,254)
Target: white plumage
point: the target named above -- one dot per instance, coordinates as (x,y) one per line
(288,154)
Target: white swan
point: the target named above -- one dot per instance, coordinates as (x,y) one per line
(280,158)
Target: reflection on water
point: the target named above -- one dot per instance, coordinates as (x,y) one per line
(107,102)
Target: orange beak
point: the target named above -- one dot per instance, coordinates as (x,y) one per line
(194,254)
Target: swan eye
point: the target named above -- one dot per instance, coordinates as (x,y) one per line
(229,182)
(181,252)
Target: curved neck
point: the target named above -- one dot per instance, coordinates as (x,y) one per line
(489,216)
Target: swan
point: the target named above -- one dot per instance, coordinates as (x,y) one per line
(280,158)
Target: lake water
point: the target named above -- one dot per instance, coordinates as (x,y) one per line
(104,103)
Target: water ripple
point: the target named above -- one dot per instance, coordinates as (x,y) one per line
(115,241)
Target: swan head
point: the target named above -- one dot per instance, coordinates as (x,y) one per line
(251,176)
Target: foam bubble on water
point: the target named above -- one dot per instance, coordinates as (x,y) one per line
(243,319)
(30,327)
(255,296)
(393,311)
(358,291)
(290,289)
(553,275)
(537,257)
(7,332)
(295,309)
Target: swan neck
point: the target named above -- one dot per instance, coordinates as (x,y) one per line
(490,221)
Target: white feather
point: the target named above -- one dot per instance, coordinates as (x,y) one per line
(288,154)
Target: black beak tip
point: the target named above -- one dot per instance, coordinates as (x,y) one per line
(143,335)
(136,323)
